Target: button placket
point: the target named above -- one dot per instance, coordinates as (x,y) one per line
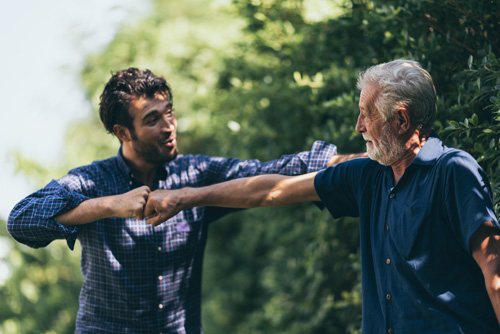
(388,261)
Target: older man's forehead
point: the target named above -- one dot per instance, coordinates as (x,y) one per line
(369,93)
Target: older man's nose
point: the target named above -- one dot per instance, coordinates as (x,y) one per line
(360,125)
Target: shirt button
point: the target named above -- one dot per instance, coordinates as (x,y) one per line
(160,278)
(392,195)
(160,306)
(388,261)
(159,249)
(387,227)
(388,296)
(130,183)
(390,331)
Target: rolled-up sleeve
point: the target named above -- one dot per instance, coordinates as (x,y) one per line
(222,169)
(32,221)
(307,162)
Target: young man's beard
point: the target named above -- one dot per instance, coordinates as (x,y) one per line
(151,153)
(389,148)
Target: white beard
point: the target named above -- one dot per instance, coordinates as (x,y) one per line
(389,148)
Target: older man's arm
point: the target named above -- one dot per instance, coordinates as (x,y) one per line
(336,159)
(485,246)
(257,191)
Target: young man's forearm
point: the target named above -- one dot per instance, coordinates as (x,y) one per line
(336,159)
(128,205)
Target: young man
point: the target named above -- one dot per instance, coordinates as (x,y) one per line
(430,240)
(140,279)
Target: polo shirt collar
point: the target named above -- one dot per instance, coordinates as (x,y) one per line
(430,152)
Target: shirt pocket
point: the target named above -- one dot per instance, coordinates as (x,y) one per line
(183,228)
(411,232)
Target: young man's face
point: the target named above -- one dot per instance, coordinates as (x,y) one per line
(154,133)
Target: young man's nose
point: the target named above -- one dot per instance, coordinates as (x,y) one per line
(167,124)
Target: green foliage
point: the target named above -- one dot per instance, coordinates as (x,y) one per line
(41,293)
(262,78)
(283,271)
(479,93)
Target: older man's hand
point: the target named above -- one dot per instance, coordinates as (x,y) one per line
(162,205)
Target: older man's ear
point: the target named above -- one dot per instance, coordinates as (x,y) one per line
(403,120)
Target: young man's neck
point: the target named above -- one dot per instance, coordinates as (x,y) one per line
(142,170)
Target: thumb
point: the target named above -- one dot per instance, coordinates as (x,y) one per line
(150,209)
(155,220)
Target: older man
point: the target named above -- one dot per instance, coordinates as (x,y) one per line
(430,241)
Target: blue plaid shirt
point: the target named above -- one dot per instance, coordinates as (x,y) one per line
(139,278)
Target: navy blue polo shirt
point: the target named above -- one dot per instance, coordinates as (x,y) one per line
(418,273)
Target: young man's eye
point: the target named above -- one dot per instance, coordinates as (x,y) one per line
(170,114)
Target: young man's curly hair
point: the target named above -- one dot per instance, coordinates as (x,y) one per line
(122,88)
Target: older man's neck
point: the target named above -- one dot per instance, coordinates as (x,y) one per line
(412,146)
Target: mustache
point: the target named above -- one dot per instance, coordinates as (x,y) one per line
(167,139)
(367,137)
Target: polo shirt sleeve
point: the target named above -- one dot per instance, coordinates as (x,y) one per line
(468,196)
(339,187)
(32,221)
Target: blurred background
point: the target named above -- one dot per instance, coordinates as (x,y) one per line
(251,79)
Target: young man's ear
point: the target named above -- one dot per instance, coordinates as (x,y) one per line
(122,132)
(403,120)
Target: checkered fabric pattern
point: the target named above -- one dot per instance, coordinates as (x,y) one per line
(139,278)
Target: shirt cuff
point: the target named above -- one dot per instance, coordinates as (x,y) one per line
(320,154)
(70,233)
